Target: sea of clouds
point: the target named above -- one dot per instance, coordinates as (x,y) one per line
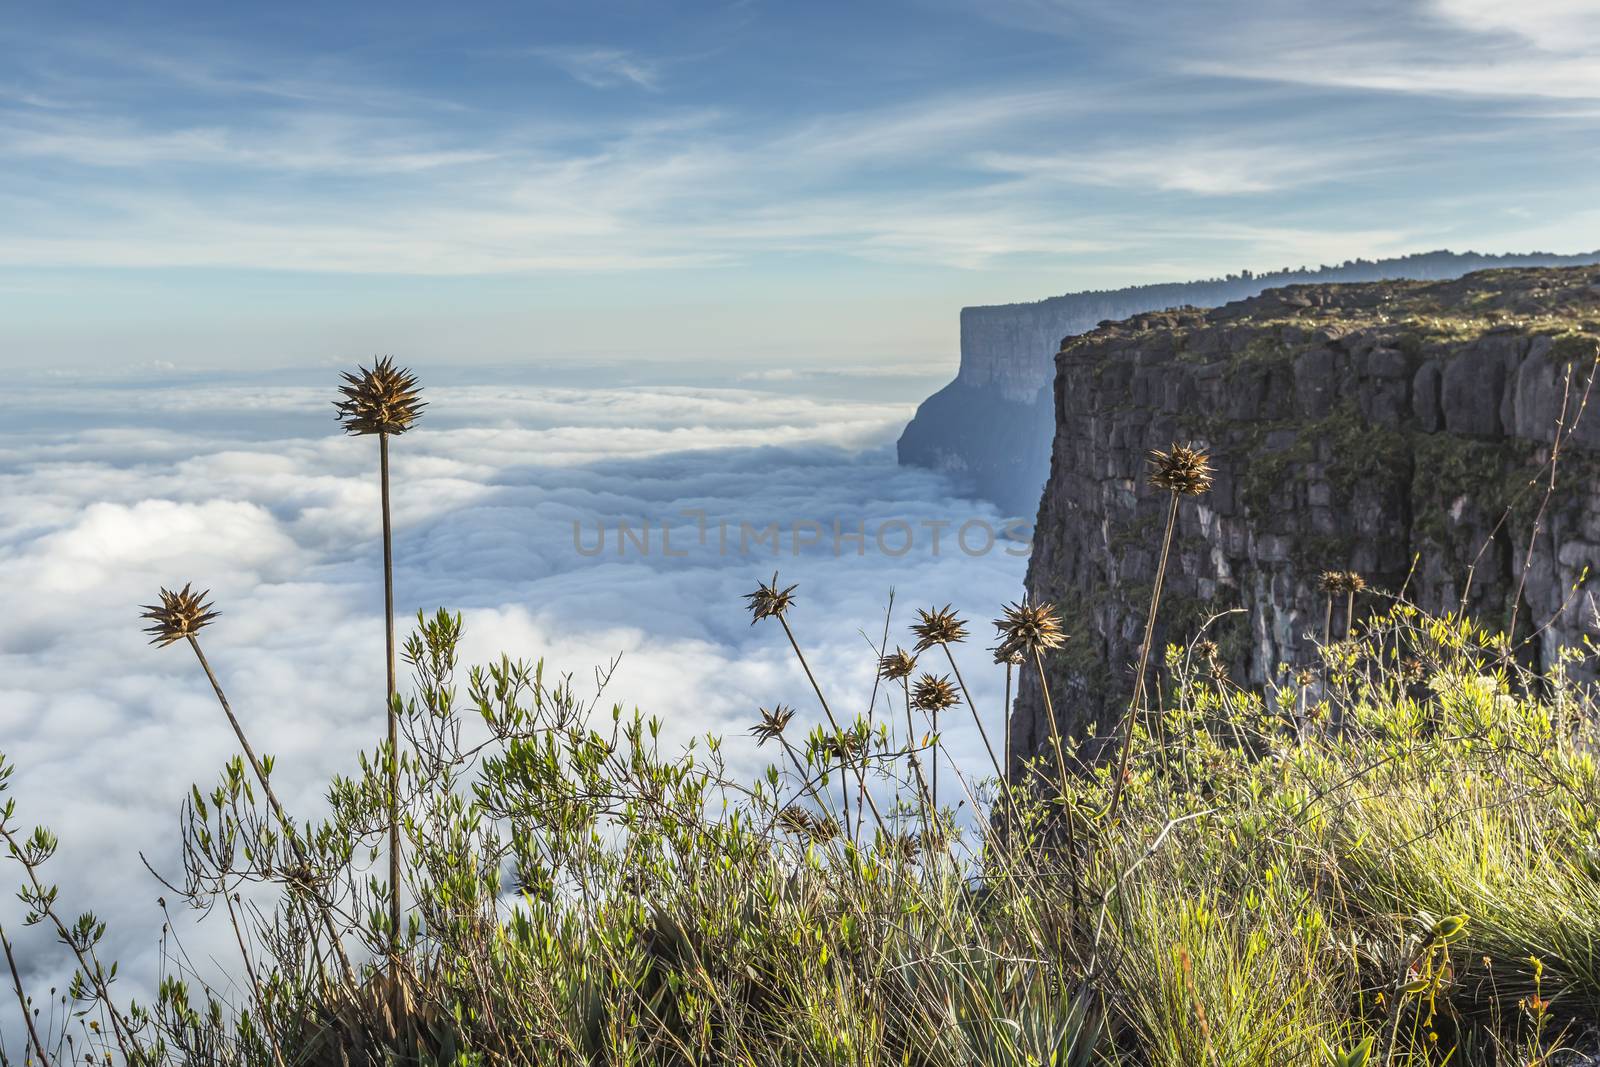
(502,494)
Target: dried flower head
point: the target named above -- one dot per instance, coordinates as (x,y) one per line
(1184,470)
(1305,677)
(1353,582)
(385,399)
(938,627)
(843,747)
(179,615)
(807,823)
(903,846)
(896,665)
(772,723)
(1331,582)
(768,601)
(933,693)
(1009,657)
(1026,630)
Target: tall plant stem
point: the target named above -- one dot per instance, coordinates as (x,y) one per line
(826,710)
(1061,769)
(844,787)
(272,801)
(1350,615)
(22,1002)
(1006,717)
(974,709)
(1144,660)
(923,800)
(1327,623)
(1050,719)
(389,702)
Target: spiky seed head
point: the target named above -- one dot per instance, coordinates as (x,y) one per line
(385,399)
(844,746)
(768,601)
(903,846)
(1331,582)
(180,614)
(807,823)
(940,626)
(933,693)
(1183,470)
(1353,582)
(772,723)
(896,665)
(1008,656)
(1026,630)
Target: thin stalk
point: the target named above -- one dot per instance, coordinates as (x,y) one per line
(22,1002)
(1006,715)
(272,802)
(844,786)
(1350,615)
(1061,766)
(1327,623)
(974,709)
(1050,718)
(826,710)
(923,800)
(1144,660)
(394,724)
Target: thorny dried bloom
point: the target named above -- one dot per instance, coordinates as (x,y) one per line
(904,845)
(1211,656)
(1305,677)
(933,693)
(179,615)
(769,602)
(845,746)
(385,399)
(1027,630)
(804,821)
(772,723)
(1184,470)
(896,665)
(938,627)
(1334,582)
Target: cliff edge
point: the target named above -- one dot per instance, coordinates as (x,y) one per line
(992,426)
(1399,429)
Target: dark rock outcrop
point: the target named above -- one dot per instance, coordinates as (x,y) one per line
(1386,428)
(992,426)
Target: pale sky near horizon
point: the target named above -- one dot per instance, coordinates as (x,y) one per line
(253,186)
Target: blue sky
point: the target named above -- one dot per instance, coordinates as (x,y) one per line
(288,184)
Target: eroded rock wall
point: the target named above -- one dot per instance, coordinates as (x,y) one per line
(992,426)
(1385,428)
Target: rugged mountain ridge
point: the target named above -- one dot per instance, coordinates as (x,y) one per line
(1384,427)
(993,424)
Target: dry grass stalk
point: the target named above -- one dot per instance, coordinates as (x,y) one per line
(1181,472)
(385,401)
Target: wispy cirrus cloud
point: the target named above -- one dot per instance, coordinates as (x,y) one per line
(604,68)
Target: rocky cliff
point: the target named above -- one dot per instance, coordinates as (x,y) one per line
(992,426)
(1361,427)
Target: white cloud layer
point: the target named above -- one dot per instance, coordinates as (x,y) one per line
(109,493)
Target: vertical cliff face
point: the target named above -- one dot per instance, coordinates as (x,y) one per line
(1402,430)
(992,426)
